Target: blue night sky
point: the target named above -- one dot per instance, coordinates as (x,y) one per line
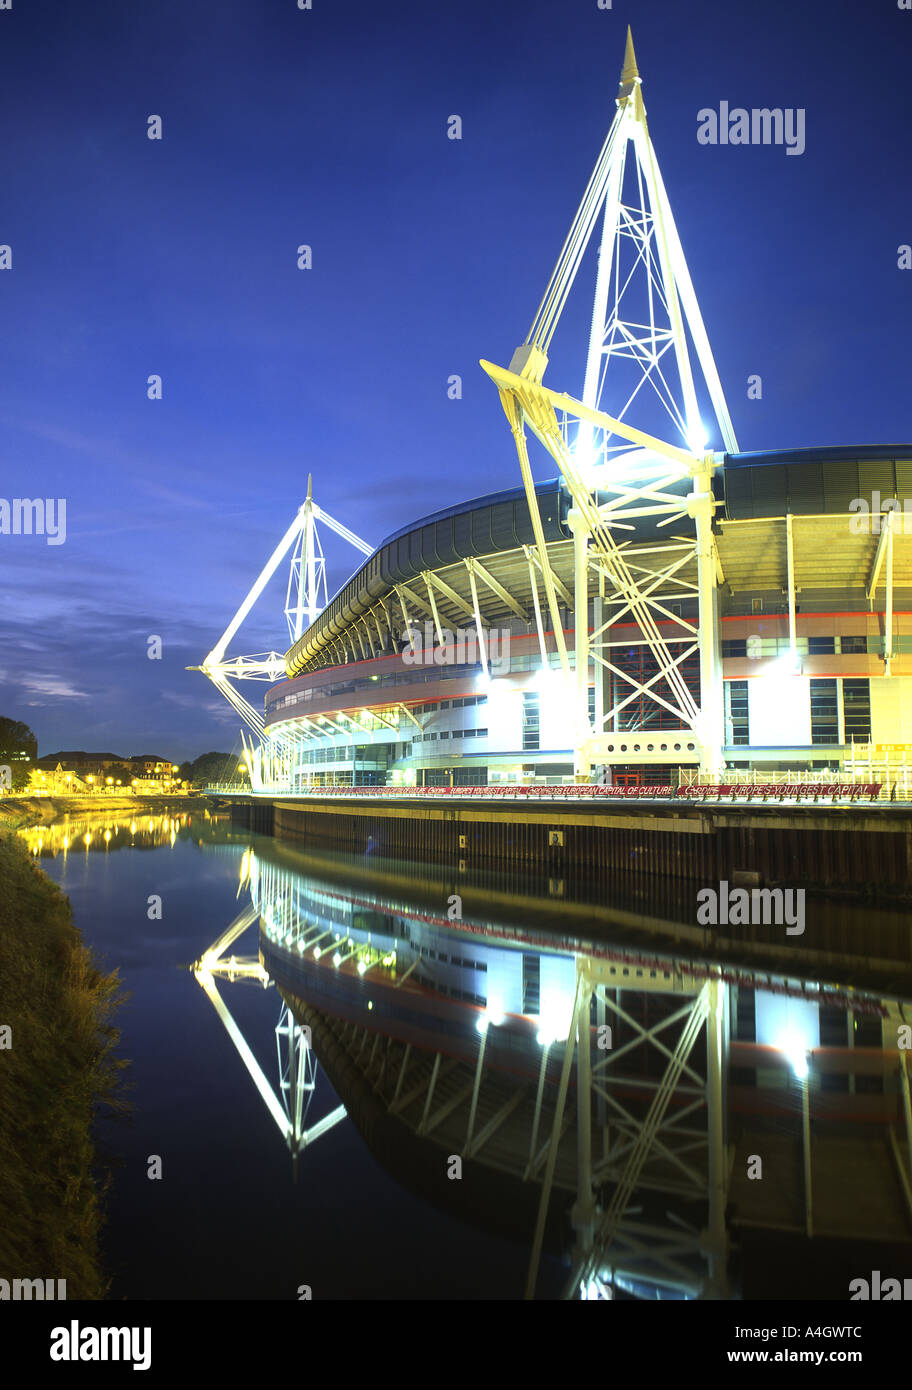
(328,127)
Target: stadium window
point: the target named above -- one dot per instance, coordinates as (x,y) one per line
(736,696)
(530,720)
(856,699)
(824,712)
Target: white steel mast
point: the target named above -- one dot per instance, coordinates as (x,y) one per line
(644,304)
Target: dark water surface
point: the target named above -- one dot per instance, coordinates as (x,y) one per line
(393,965)
(226,1220)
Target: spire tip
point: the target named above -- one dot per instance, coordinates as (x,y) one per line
(630,73)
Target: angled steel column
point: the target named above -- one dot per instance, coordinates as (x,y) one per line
(584,1209)
(538,1239)
(716,1234)
(790,561)
(711,730)
(805,1084)
(581,762)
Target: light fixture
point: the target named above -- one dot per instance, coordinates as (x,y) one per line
(696,438)
(792,1045)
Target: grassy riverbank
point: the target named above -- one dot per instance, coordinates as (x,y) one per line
(56,1069)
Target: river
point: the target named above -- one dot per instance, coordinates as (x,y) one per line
(241,1173)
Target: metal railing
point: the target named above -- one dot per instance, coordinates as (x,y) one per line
(842,791)
(895,782)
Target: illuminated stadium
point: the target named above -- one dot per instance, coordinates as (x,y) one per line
(377,710)
(660,611)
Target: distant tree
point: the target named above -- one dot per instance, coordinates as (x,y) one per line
(121,772)
(216,767)
(186,772)
(18,750)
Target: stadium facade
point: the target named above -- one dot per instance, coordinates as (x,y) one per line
(664,609)
(436,664)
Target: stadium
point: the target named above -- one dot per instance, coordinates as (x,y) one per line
(660,611)
(816,640)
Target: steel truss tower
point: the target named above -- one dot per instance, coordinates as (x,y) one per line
(271,760)
(616,489)
(296,1062)
(625,1148)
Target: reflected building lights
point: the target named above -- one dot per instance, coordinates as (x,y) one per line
(502,1015)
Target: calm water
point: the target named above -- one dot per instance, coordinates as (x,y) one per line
(376,957)
(227,1220)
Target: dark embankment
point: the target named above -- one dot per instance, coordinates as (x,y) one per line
(56,1068)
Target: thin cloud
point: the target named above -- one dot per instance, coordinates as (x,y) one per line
(51,686)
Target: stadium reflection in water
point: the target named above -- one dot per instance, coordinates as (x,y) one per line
(666,1123)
